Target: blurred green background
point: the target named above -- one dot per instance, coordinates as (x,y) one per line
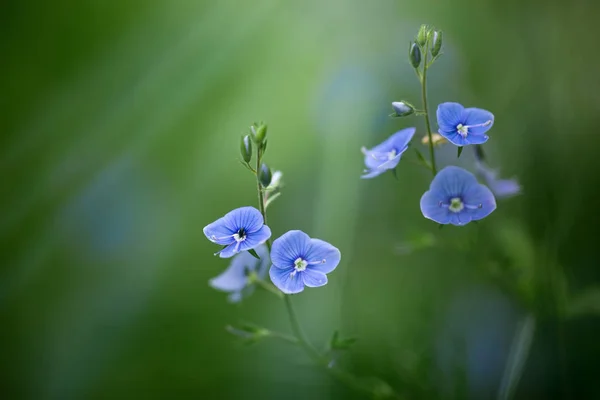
(120,124)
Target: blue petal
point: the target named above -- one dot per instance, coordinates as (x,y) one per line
(479,195)
(458,140)
(449,116)
(314,278)
(477,116)
(234,278)
(453,182)
(248,218)
(372,173)
(255,239)
(321,250)
(219,229)
(288,247)
(431,209)
(503,188)
(286,280)
(398,141)
(235,297)
(228,251)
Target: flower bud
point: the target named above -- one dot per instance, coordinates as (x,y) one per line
(414,55)
(264,175)
(246,148)
(423,35)
(260,133)
(402,108)
(436,42)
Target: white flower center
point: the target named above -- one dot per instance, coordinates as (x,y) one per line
(456,204)
(300,264)
(391,154)
(462,130)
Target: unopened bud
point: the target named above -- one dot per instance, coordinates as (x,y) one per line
(414,55)
(246,148)
(264,175)
(402,109)
(260,133)
(436,43)
(423,35)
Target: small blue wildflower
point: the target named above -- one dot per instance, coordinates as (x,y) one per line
(501,188)
(455,197)
(235,279)
(239,230)
(463,126)
(300,261)
(386,156)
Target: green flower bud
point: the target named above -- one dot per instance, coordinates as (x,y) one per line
(436,43)
(246,148)
(260,133)
(402,108)
(414,55)
(264,175)
(423,35)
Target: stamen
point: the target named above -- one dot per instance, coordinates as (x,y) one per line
(463,130)
(473,206)
(214,238)
(486,123)
(323,261)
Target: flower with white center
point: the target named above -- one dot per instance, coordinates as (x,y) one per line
(463,126)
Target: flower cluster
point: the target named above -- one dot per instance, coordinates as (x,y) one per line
(297,260)
(454,196)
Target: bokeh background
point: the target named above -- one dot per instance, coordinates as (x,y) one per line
(120,124)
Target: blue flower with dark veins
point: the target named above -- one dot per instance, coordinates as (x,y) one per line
(239,230)
(463,126)
(235,279)
(455,197)
(501,188)
(300,261)
(386,156)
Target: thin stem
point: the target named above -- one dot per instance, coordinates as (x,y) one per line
(426,109)
(283,336)
(269,288)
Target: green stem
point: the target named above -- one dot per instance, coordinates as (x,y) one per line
(426,109)
(299,338)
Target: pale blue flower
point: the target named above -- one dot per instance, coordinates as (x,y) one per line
(455,197)
(300,261)
(463,126)
(386,156)
(239,230)
(235,279)
(501,188)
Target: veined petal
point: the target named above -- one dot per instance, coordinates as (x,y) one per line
(449,116)
(402,138)
(288,247)
(229,251)
(218,232)
(248,218)
(477,116)
(431,209)
(320,250)
(255,239)
(314,278)
(503,188)
(398,142)
(287,279)
(482,198)
(453,181)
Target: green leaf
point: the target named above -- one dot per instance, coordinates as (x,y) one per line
(422,159)
(336,343)
(395,173)
(253,253)
(460,150)
(271,199)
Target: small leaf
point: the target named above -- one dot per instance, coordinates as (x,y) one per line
(271,199)
(395,172)
(253,253)
(422,159)
(340,344)
(460,150)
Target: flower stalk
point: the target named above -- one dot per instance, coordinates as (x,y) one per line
(423,79)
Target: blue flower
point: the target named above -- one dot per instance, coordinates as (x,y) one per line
(239,230)
(455,197)
(463,126)
(501,188)
(234,279)
(300,261)
(386,155)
